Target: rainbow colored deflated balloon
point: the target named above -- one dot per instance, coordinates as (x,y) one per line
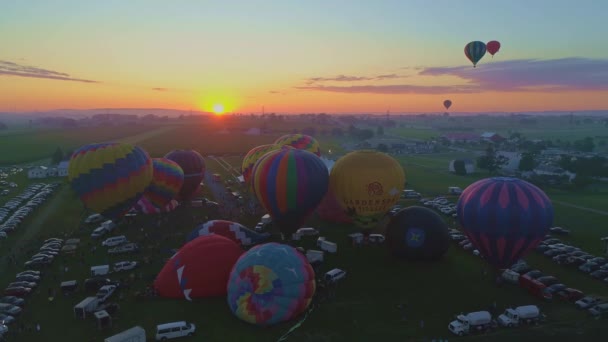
(253,156)
(504,218)
(167,179)
(109,178)
(300,142)
(269,284)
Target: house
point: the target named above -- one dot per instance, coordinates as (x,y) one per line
(62,168)
(460,137)
(469,165)
(253,131)
(492,137)
(37,172)
(548,170)
(51,172)
(513,160)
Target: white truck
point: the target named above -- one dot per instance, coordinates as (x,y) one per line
(88,305)
(108,225)
(529,314)
(135,334)
(472,322)
(314,256)
(327,246)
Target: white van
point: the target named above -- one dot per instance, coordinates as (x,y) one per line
(94,218)
(174,330)
(108,225)
(115,241)
(334,275)
(100,270)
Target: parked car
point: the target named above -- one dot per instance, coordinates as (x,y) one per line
(17,291)
(588,267)
(23,284)
(569,295)
(9,309)
(125,265)
(6,319)
(600,261)
(553,289)
(30,272)
(600,310)
(105,292)
(534,274)
(548,280)
(12,300)
(28,277)
(599,274)
(94,284)
(126,248)
(559,231)
(587,302)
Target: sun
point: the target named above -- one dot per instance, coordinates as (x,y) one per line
(218,108)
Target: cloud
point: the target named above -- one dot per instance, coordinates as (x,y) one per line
(565,74)
(394,89)
(274,92)
(161,89)
(18,70)
(345,78)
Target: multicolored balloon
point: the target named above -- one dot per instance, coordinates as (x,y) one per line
(289,183)
(447,104)
(417,233)
(475,51)
(110,178)
(167,180)
(193,165)
(300,142)
(231,230)
(504,218)
(367,184)
(253,156)
(493,47)
(145,207)
(199,269)
(269,284)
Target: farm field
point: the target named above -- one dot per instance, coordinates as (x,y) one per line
(365,305)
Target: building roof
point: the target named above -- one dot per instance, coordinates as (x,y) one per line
(64,164)
(488,134)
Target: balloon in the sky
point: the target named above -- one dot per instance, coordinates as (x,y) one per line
(145,207)
(253,156)
(301,142)
(289,183)
(193,165)
(504,218)
(330,209)
(493,47)
(231,230)
(475,51)
(269,284)
(199,269)
(109,178)
(367,184)
(417,233)
(167,180)
(447,104)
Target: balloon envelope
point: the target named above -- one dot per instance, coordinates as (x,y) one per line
(193,165)
(231,230)
(493,47)
(367,184)
(330,209)
(269,284)
(253,156)
(109,178)
(504,218)
(167,180)
(300,142)
(145,207)
(475,51)
(417,233)
(290,183)
(447,104)
(199,269)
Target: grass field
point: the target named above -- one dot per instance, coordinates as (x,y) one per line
(365,307)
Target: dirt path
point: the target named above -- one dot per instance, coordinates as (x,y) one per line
(591,210)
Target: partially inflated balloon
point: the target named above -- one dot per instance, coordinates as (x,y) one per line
(300,142)
(504,218)
(289,183)
(417,233)
(109,178)
(145,207)
(475,51)
(231,230)
(447,104)
(367,184)
(199,269)
(269,284)
(167,180)
(193,165)
(253,156)
(493,47)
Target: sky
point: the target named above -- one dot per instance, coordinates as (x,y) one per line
(293,56)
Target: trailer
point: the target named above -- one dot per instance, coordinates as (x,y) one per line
(135,334)
(88,305)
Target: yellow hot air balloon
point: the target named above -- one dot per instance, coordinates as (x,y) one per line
(367,184)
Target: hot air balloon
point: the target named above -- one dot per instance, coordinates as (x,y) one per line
(330,209)
(475,51)
(504,218)
(199,269)
(367,183)
(231,230)
(300,142)
(289,183)
(145,207)
(447,104)
(493,47)
(109,178)
(193,165)
(269,284)
(167,180)
(417,233)
(252,157)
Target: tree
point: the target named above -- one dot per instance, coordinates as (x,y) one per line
(380,130)
(528,161)
(459,167)
(382,148)
(57,156)
(584,145)
(337,132)
(491,161)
